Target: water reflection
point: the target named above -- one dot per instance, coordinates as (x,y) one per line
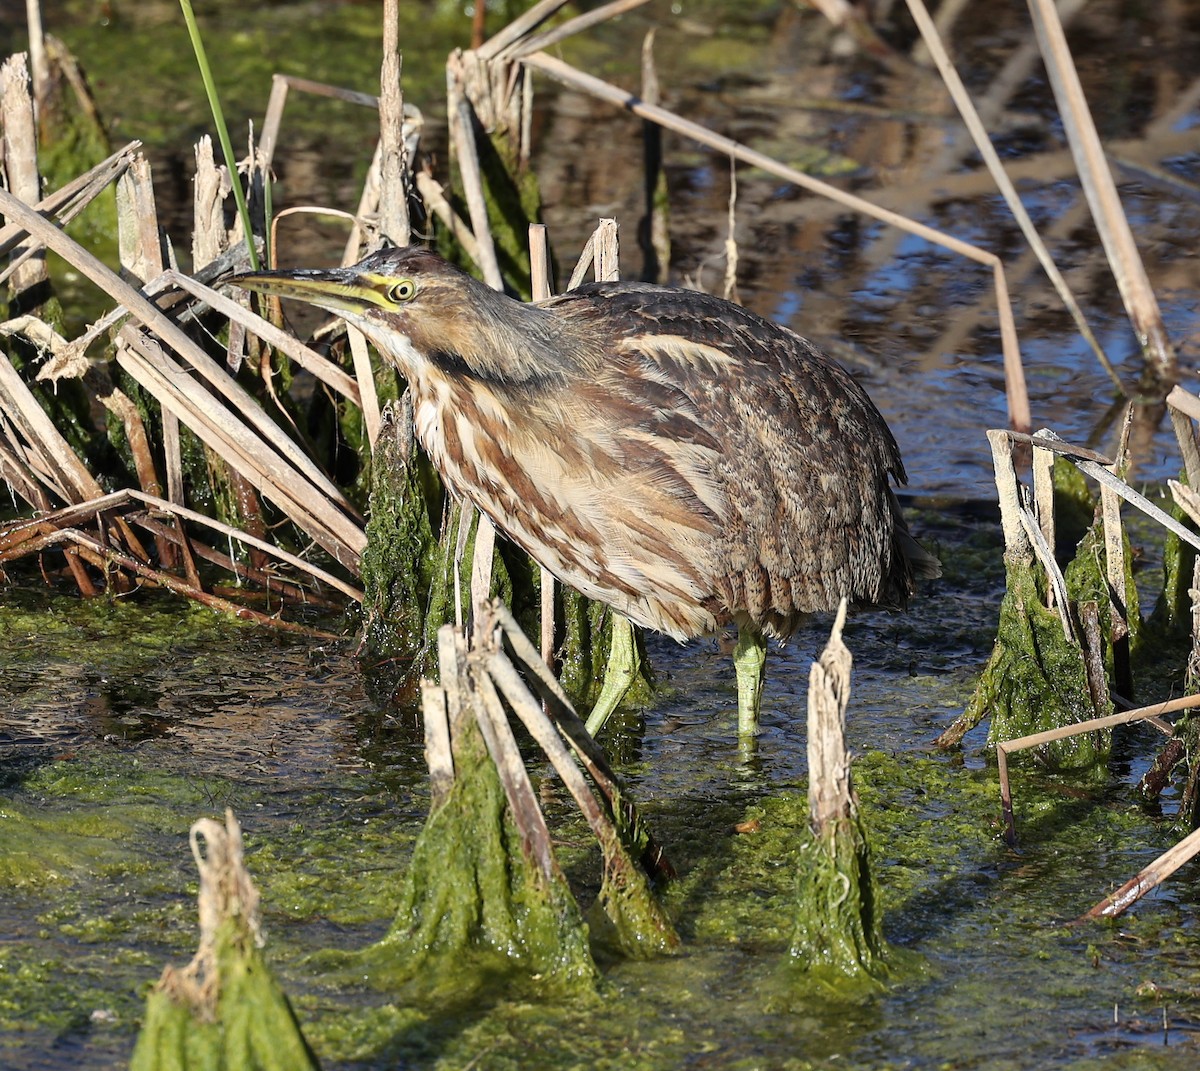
(289,732)
(919,323)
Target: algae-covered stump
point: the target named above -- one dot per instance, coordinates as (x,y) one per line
(838,925)
(224,1009)
(484,896)
(1048,666)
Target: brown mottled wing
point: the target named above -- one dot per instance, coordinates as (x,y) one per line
(775,450)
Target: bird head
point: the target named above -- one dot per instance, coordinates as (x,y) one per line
(417,308)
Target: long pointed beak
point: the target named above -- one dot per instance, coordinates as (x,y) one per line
(336,289)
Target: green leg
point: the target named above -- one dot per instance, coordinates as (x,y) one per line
(624,664)
(749,658)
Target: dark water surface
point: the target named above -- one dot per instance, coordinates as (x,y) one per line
(120,723)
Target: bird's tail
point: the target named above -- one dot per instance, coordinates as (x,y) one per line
(916,562)
(924,565)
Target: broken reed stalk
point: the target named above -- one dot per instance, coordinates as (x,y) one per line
(1148,878)
(394,167)
(838,924)
(1020,544)
(484,882)
(623,812)
(225,1008)
(830,796)
(1037,676)
(20,164)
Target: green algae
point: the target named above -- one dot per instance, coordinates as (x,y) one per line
(1087,581)
(253,1026)
(224,1009)
(1036,678)
(950,892)
(401,563)
(838,926)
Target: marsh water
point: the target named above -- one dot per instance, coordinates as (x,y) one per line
(123,721)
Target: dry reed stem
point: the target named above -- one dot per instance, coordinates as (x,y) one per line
(653,232)
(1049,736)
(502,746)
(462,124)
(529,711)
(439,757)
(731,248)
(618,864)
(1101,191)
(482,553)
(461,114)
(271,474)
(140,243)
(18,475)
(548,38)
(559,708)
(143,255)
(1014,374)
(1043,498)
(608,251)
(20,161)
(434,196)
(991,159)
(1016,541)
(364,376)
(47,453)
(587,257)
(520,27)
(1146,879)
(1057,585)
(393,199)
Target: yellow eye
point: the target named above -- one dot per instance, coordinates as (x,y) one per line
(404,290)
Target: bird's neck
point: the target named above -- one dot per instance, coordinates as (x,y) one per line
(508,344)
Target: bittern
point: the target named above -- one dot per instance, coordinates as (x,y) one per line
(668,453)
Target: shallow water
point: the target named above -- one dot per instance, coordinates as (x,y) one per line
(113,745)
(121,723)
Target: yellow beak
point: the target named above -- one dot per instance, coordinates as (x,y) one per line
(336,289)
